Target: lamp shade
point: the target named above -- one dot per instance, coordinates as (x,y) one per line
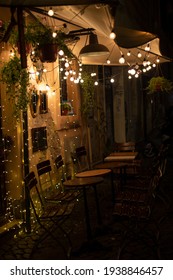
(93,48)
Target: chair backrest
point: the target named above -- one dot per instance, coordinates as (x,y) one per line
(154,182)
(125,147)
(61,171)
(44,175)
(80,159)
(34,195)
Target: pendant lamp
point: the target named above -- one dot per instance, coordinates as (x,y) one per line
(93,48)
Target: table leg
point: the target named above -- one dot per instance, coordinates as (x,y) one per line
(88,226)
(112,187)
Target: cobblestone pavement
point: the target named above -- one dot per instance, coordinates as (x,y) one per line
(107,241)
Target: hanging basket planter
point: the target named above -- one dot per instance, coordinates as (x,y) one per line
(159,84)
(48,53)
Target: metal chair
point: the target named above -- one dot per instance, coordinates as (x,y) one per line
(54,192)
(49,216)
(134,212)
(83,169)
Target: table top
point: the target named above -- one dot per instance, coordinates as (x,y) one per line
(93,173)
(121,156)
(126,154)
(82,182)
(111,164)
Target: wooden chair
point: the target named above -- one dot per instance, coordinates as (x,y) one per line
(49,216)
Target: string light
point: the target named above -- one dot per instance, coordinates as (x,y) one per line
(147,48)
(50,12)
(122,59)
(139,54)
(112,35)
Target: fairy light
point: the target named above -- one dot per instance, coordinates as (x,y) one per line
(129,53)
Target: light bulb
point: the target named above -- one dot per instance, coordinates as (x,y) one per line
(112,35)
(112,80)
(122,60)
(108,61)
(133,71)
(147,48)
(96,83)
(54,34)
(144,62)
(65,29)
(139,54)
(129,53)
(50,12)
(61,52)
(66,64)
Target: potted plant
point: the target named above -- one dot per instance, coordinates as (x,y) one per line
(158,84)
(65,108)
(17,81)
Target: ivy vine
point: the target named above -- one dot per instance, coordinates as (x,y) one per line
(17,81)
(88,96)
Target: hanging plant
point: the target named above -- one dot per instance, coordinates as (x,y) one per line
(17,81)
(159,84)
(40,38)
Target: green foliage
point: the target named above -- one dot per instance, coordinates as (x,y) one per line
(17,82)
(88,98)
(159,84)
(38,35)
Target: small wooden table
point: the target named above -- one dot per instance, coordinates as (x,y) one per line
(121,156)
(84,183)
